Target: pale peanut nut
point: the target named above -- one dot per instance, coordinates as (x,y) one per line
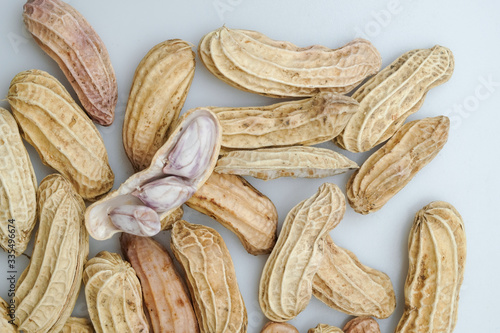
(398,91)
(238,206)
(324,328)
(286,283)
(363,324)
(62,134)
(211,278)
(6,318)
(178,169)
(160,87)
(437,251)
(17,188)
(114,295)
(303,122)
(65,35)
(272,327)
(343,283)
(165,296)
(48,288)
(250,61)
(272,163)
(391,167)
(78,325)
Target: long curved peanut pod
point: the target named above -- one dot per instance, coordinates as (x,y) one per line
(398,91)
(160,87)
(391,167)
(437,252)
(250,61)
(78,325)
(238,206)
(65,35)
(286,283)
(343,283)
(165,295)
(17,188)
(211,278)
(6,319)
(47,290)
(62,134)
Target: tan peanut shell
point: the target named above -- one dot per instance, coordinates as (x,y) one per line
(324,328)
(303,122)
(391,167)
(114,295)
(17,188)
(343,283)
(286,283)
(211,278)
(170,219)
(437,252)
(5,319)
(78,325)
(65,35)
(238,206)
(398,91)
(272,327)
(250,61)
(48,288)
(159,89)
(62,134)
(272,163)
(165,296)
(363,324)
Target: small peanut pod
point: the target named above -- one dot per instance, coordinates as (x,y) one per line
(6,318)
(437,251)
(48,288)
(363,324)
(272,327)
(165,297)
(113,294)
(286,283)
(65,35)
(62,134)
(160,87)
(343,283)
(78,325)
(211,278)
(303,122)
(251,61)
(391,167)
(324,328)
(238,206)
(17,188)
(272,163)
(388,98)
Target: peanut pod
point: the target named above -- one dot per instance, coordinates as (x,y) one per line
(362,325)
(6,318)
(272,327)
(324,328)
(78,325)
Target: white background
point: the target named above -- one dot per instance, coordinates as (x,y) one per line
(465,173)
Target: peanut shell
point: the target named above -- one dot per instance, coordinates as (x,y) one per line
(272,327)
(324,328)
(78,325)
(362,325)
(5,319)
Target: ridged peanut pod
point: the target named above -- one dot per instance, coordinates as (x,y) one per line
(437,251)
(114,295)
(286,283)
(303,122)
(324,328)
(398,91)
(160,87)
(65,35)
(251,61)
(238,206)
(62,134)
(391,167)
(272,327)
(5,319)
(363,324)
(171,218)
(272,163)
(343,283)
(165,296)
(17,188)
(78,325)
(211,278)
(47,290)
